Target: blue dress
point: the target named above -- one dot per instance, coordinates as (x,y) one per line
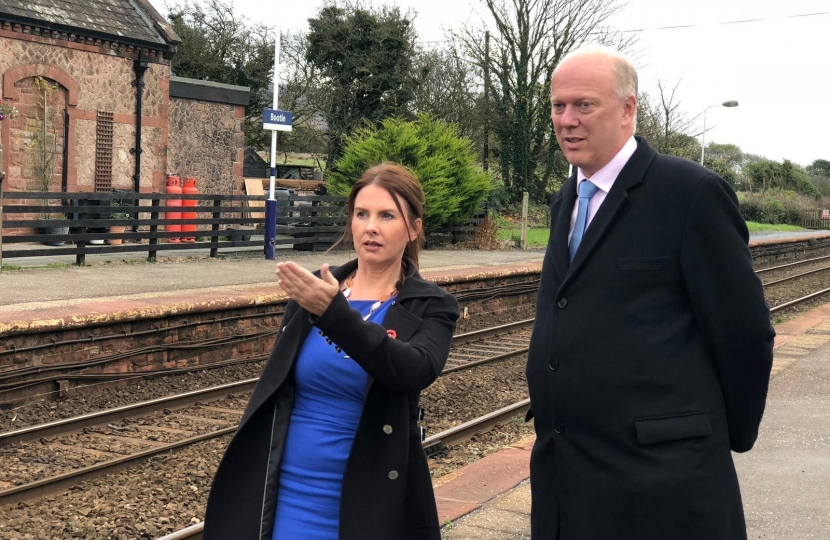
(328,402)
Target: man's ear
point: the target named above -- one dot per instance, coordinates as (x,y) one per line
(417,225)
(630,109)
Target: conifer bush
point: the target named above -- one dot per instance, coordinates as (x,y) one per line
(433,150)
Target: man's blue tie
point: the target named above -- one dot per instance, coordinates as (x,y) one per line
(586,191)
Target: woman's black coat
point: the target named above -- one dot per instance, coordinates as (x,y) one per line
(387,492)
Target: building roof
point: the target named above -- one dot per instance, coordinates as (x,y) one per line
(124,21)
(183,87)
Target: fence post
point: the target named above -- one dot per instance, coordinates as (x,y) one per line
(215,228)
(524,219)
(80,256)
(154,215)
(2,177)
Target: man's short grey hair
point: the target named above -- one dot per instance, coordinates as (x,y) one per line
(624,70)
(625,74)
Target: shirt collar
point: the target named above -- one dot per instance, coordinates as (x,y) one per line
(605,177)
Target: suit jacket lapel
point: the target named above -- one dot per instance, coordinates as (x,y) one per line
(630,176)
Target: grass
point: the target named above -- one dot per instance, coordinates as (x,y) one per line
(756,227)
(536,236)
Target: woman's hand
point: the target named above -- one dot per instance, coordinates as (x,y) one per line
(312,293)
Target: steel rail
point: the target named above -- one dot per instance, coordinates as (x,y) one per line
(782,280)
(460,339)
(215,392)
(789,265)
(432,445)
(56,484)
(59,427)
(797,301)
(474,363)
(465,431)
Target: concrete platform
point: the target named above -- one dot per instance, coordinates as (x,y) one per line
(59,299)
(177,272)
(785,479)
(119,279)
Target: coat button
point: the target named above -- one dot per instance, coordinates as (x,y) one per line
(387,429)
(393,475)
(553,365)
(559,427)
(562,303)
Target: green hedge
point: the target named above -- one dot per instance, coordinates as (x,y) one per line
(775,206)
(443,161)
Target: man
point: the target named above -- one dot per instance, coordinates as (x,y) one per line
(652,347)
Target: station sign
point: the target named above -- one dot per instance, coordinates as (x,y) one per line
(276,120)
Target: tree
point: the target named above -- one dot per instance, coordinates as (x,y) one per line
(441,159)
(217,45)
(530,39)
(365,57)
(722,168)
(788,176)
(450,87)
(819,167)
(726,159)
(731,154)
(664,124)
(303,93)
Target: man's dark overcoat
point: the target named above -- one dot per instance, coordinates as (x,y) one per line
(650,359)
(387,491)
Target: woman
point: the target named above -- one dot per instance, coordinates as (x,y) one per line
(329,446)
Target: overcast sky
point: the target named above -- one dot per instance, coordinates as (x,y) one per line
(776,65)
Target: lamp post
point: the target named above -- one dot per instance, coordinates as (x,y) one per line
(731,103)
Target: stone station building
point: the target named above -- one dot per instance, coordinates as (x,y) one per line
(77,71)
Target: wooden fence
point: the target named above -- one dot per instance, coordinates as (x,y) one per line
(81,223)
(815,219)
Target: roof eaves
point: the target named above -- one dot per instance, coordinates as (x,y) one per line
(168,50)
(159,23)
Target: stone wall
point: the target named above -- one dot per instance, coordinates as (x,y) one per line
(207,142)
(89,82)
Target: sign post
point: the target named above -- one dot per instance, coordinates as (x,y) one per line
(275,120)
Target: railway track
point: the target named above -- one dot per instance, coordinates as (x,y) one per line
(518,341)
(433,444)
(51,457)
(98,443)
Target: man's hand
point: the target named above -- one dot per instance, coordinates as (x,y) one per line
(312,293)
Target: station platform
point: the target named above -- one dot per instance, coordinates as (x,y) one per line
(784,479)
(55,281)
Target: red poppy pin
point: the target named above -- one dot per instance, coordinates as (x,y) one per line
(392,334)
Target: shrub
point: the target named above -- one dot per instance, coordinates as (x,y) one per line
(775,206)
(433,150)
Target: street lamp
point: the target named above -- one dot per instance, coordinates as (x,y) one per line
(731,103)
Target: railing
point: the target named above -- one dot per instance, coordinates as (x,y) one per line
(815,219)
(81,223)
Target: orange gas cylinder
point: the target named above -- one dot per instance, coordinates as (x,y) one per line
(174,186)
(189,188)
